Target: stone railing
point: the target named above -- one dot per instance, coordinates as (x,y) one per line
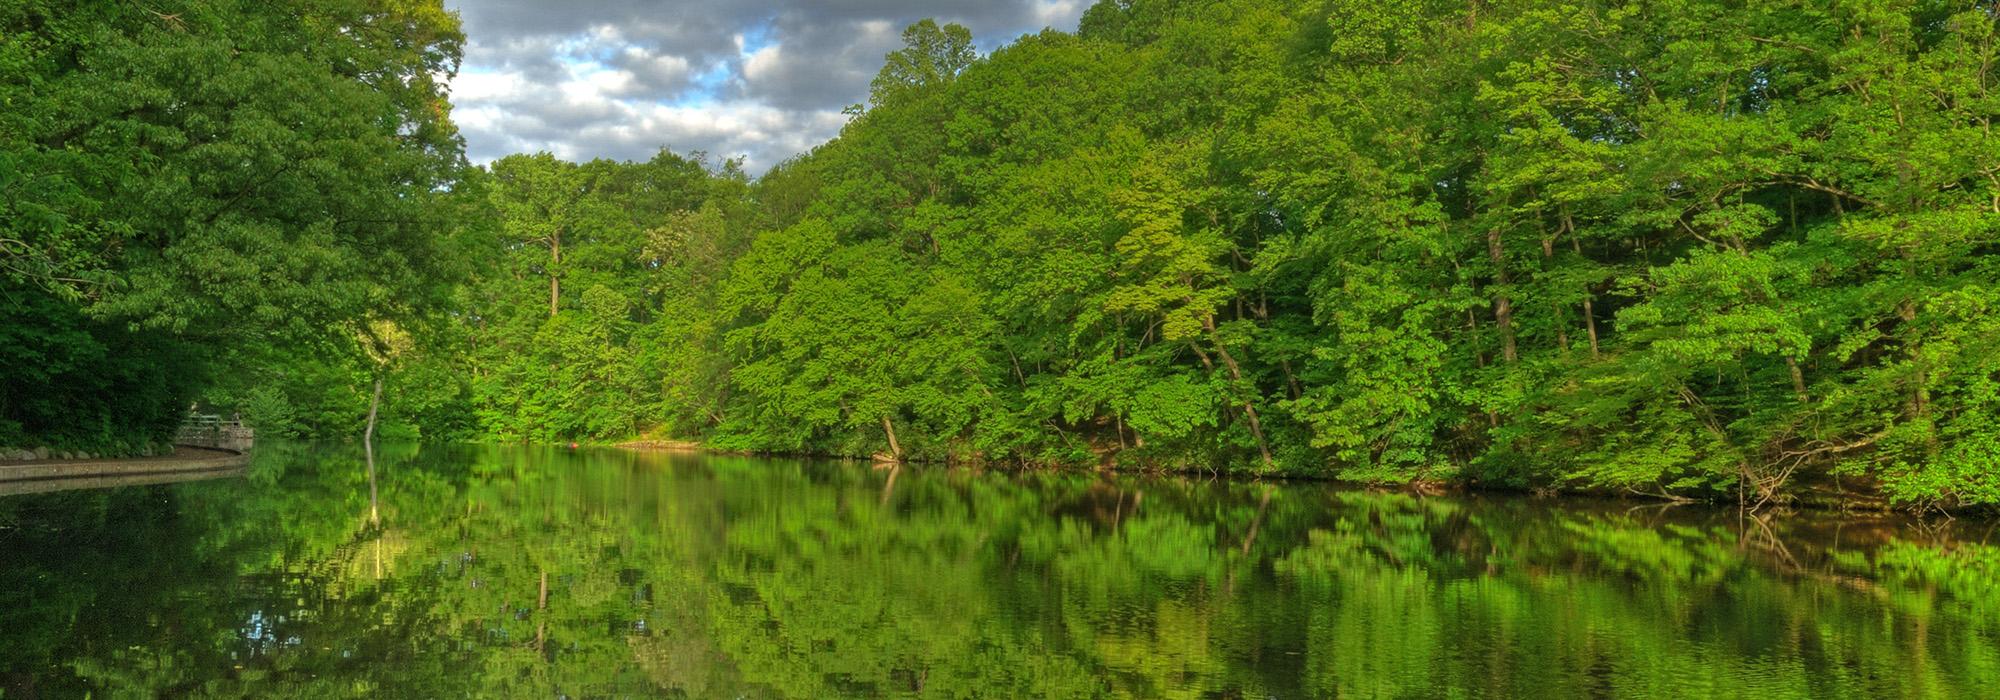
(202,430)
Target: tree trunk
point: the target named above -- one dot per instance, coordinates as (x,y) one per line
(1590,324)
(374,407)
(1291,380)
(1236,377)
(1589,312)
(1257,431)
(555,280)
(1798,379)
(1920,398)
(1503,308)
(895,449)
(1472,330)
(368,451)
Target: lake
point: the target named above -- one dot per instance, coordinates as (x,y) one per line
(542,572)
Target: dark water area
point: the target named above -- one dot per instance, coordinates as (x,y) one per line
(529,572)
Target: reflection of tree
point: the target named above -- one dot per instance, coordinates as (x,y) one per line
(546,572)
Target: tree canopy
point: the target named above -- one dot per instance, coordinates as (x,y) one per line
(1692,249)
(179,181)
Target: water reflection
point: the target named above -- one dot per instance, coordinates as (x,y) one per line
(544,572)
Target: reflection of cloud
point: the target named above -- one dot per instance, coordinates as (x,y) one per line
(762,79)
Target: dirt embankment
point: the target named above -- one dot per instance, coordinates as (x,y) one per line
(661,444)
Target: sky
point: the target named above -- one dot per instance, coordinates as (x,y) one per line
(762,80)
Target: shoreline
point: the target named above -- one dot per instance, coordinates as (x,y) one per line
(1815,501)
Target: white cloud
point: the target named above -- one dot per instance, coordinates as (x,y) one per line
(479,86)
(763,63)
(1061,14)
(759,79)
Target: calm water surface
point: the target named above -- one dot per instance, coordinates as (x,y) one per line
(510,572)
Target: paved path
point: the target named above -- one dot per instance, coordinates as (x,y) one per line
(58,474)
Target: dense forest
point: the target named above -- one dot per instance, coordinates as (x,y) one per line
(1686,249)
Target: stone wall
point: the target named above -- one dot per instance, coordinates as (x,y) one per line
(36,454)
(227,437)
